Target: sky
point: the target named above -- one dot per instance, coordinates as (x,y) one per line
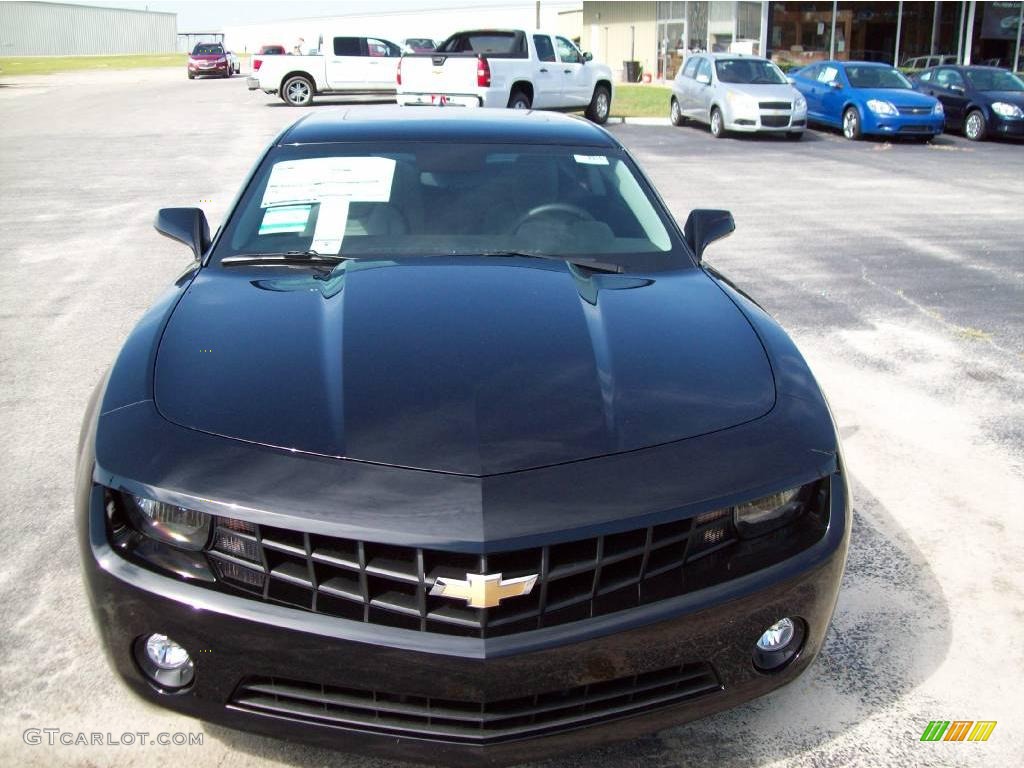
(214,15)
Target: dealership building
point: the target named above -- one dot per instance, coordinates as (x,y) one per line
(659,35)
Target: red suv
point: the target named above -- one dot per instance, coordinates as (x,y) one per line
(209,59)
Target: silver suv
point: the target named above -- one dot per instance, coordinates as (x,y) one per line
(732,92)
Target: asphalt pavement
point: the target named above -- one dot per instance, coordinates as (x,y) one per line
(898,268)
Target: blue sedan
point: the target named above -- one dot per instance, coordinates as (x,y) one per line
(867,98)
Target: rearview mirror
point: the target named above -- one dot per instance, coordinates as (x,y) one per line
(186,225)
(704,226)
(588,56)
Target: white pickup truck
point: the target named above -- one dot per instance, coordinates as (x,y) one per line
(506,68)
(349,66)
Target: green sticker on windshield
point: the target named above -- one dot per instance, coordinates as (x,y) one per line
(286,218)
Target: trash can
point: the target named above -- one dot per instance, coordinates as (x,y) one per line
(630,71)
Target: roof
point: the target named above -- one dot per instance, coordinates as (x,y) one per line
(444,124)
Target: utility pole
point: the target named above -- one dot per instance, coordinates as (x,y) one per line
(537,25)
(832,37)
(969,39)
(1016,51)
(936,17)
(899,28)
(960,33)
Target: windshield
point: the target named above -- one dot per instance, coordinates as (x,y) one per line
(994,80)
(424,199)
(877,77)
(208,50)
(749,72)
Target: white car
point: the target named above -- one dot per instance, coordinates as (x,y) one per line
(346,66)
(731,92)
(511,68)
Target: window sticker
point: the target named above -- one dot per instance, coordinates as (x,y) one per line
(319,179)
(285,218)
(331,222)
(591,159)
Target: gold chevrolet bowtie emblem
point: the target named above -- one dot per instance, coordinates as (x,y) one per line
(483,590)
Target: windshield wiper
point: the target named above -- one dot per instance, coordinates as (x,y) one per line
(282,257)
(596,266)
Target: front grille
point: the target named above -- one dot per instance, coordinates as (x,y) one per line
(775,105)
(914,110)
(475,722)
(390,585)
(774,121)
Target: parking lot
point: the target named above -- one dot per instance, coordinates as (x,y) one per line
(897,268)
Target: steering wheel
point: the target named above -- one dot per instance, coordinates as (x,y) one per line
(559,209)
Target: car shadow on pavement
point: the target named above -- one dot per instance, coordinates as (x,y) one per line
(333,102)
(890,632)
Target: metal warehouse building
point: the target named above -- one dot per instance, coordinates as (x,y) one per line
(62,29)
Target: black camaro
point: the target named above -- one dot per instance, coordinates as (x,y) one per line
(449,447)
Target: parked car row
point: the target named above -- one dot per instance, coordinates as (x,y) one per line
(731,92)
(479,68)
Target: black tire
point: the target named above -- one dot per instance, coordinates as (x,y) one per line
(297,91)
(600,105)
(518,100)
(795,135)
(229,71)
(675,113)
(975,125)
(717,123)
(851,124)
(191,76)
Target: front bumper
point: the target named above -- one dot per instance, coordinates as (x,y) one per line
(903,125)
(1007,126)
(218,69)
(236,641)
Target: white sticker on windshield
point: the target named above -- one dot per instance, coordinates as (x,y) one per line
(591,159)
(331,223)
(286,218)
(318,179)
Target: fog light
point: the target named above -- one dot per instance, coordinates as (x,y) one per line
(775,637)
(779,644)
(165,662)
(166,653)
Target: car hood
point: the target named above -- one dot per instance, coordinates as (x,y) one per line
(468,366)
(775,92)
(898,97)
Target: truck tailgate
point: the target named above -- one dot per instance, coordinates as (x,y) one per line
(438,73)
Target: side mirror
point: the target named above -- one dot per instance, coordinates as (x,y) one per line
(956,88)
(704,226)
(186,225)
(704,79)
(588,56)
(791,81)
(836,85)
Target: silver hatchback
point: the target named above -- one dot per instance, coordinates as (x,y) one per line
(731,92)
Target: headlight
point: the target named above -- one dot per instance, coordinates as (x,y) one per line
(1003,109)
(799,103)
(938,108)
(171,524)
(767,513)
(880,107)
